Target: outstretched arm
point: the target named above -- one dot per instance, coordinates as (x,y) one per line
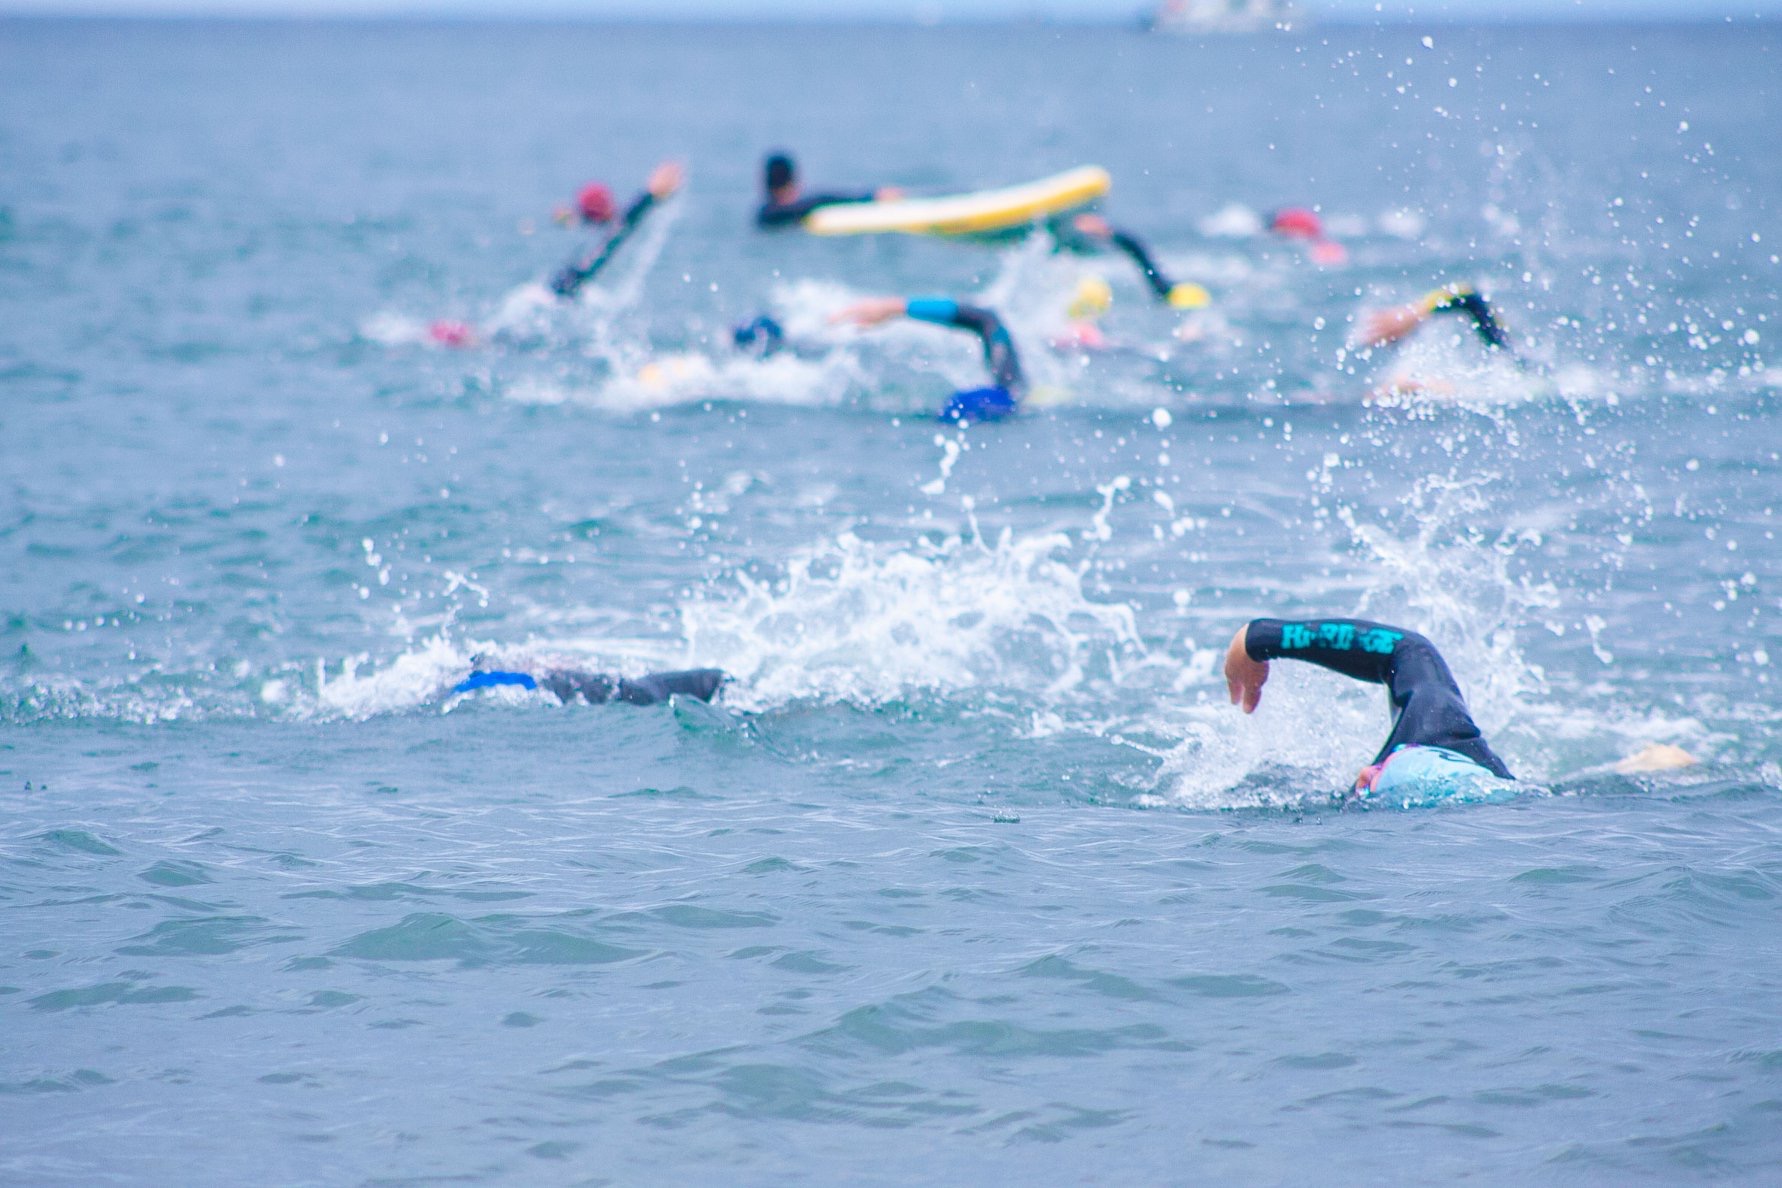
(664,180)
(1382,327)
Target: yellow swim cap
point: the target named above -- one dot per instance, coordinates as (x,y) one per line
(1188,295)
(1093,296)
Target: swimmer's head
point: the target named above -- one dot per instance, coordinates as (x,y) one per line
(1188,295)
(594,203)
(1415,774)
(1296,222)
(1091,300)
(760,337)
(779,172)
(975,405)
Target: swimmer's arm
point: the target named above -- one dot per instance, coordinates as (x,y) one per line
(1357,648)
(785,214)
(942,311)
(663,182)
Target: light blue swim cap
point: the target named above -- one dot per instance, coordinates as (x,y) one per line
(1416,775)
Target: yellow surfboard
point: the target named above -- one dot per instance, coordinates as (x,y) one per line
(986,212)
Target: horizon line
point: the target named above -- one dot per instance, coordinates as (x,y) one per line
(546,15)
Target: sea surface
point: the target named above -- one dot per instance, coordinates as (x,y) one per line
(972,875)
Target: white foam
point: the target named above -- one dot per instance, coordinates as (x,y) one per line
(860,621)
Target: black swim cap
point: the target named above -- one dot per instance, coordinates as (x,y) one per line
(780,171)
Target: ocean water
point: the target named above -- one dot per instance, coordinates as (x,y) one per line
(972,875)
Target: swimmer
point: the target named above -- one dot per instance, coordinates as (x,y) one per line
(1092,232)
(1008,384)
(598,688)
(1082,332)
(594,207)
(1296,222)
(1382,327)
(787,203)
(1434,739)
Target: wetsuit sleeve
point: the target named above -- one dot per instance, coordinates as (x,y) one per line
(598,688)
(1475,307)
(567,282)
(1430,709)
(702,683)
(999,347)
(1131,245)
(786,214)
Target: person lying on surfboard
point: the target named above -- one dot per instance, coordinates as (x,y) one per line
(594,208)
(1434,745)
(598,688)
(1091,232)
(787,203)
(1007,382)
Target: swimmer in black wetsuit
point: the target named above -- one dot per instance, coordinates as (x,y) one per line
(594,206)
(598,688)
(1385,326)
(787,203)
(1433,739)
(1091,232)
(1008,384)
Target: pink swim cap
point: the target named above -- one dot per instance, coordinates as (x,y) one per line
(595,203)
(451,334)
(1296,222)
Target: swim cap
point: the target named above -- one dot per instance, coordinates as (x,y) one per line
(760,336)
(1092,298)
(1296,222)
(1414,775)
(780,171)
(493,678)
(973,405)
(452,334)
(595,203)
(1188,295)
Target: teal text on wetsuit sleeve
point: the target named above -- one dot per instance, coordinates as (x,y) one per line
(1339,637)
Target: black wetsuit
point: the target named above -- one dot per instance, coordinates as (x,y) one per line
(1467,302)
(597,688)
(999,348)
(787,214)
(1431,711)
(573,276)
(1065,232)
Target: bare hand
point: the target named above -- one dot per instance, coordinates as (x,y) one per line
(870,312)
(1382,326)
(665,179)
(887,194)
(1244,677)
(1094,226)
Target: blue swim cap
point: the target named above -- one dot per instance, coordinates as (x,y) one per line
(759,337)
(978,404)
(1417,775)
(492,678)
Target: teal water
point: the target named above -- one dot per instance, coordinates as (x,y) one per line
(973,874)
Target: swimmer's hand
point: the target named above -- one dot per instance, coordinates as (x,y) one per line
(870,312)
(1381,327)
(1093,225)
(887,194)
(665,179)
(1244,677)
